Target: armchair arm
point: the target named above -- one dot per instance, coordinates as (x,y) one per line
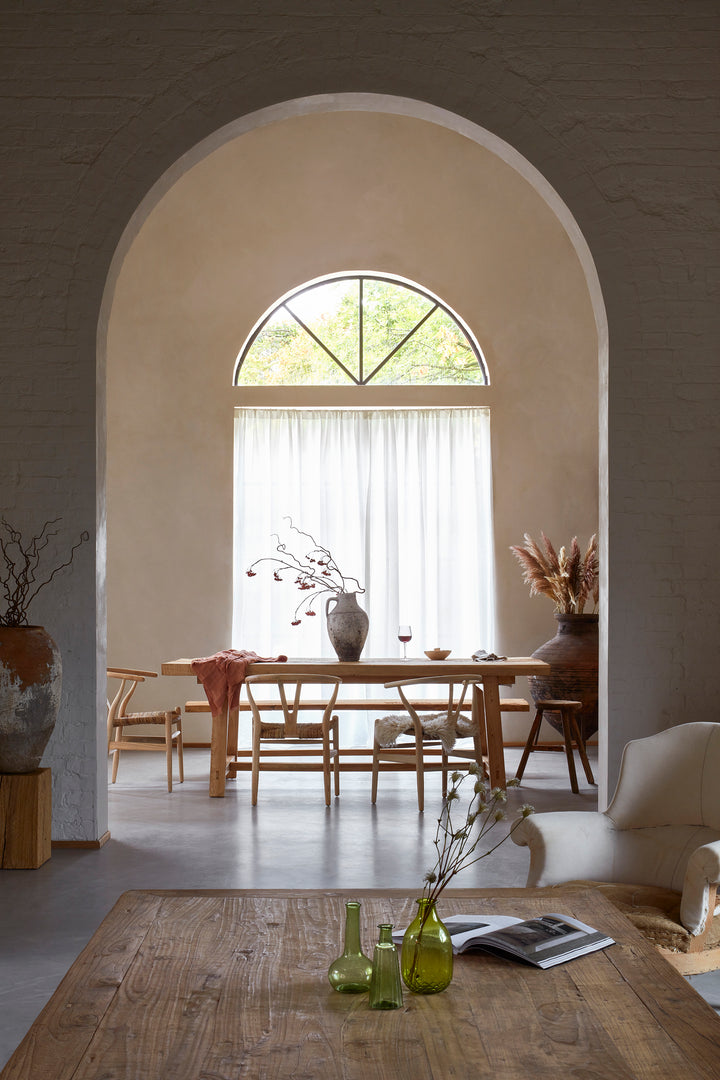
(701,878)
(567,845)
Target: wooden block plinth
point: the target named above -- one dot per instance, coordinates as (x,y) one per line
(25,819)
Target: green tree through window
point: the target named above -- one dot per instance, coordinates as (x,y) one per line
(357,329)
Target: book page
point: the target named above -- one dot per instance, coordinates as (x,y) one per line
(544,940)
(464,928)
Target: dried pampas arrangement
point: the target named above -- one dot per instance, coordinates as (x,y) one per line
(569,578)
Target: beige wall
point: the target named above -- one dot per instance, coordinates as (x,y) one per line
(264,213)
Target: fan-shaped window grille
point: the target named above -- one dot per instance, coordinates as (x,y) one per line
(357,329)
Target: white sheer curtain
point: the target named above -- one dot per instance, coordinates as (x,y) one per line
(402,498)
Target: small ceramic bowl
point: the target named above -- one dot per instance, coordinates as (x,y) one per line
(437,654)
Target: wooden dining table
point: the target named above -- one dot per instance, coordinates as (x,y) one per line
(487,677)
(231,984)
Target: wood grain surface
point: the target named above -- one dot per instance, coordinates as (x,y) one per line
(218,985)
(382,670)
(25,819)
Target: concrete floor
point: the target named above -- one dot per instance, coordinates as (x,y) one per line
(290,840)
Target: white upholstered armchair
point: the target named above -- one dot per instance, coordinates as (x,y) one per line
(656,848)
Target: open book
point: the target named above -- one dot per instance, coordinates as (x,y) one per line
(544,941)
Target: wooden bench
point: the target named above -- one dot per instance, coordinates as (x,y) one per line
(351,757)
(384,705)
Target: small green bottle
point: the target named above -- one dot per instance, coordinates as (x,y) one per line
(350,973)
(385,983)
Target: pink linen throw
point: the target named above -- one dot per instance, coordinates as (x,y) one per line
(223,674)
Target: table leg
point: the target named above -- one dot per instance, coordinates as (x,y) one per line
(493,729)
(218,753)
(480,736)
(232,740)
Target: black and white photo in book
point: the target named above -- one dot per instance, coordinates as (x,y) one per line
(544,941)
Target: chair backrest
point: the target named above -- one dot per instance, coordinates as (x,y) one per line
(290,690)
(670,779)
(129,679)
(455,704)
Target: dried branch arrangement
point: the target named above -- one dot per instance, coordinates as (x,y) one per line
(315,569)
(569,578)
(456,844)
(20,579)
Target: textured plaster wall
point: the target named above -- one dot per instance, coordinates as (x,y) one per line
(273,208)
(616,104)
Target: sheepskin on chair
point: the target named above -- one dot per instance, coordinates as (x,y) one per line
(435,726)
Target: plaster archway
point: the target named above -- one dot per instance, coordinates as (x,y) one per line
(379,104)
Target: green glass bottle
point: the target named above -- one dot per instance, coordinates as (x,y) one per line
(385,983)
(350,973)
(427,956)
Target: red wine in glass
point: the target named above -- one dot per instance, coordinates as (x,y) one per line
(404,635)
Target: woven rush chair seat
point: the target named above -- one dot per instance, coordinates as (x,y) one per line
(147,717)
(304,731)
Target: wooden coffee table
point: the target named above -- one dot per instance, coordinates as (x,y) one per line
(232,984)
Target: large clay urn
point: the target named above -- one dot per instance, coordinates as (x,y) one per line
(30,682)
(573,656)
(347,625)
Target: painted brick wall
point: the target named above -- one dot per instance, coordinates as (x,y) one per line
(616,104)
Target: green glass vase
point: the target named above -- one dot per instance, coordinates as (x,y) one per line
(385,983)
(427,956)
(350,973)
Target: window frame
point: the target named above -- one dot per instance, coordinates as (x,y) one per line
(363,382)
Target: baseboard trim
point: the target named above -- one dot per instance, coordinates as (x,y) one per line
(93,844)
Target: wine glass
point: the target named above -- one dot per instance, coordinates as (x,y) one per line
(404,635)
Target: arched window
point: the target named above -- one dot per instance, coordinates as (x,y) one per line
(359,329)
(400,493)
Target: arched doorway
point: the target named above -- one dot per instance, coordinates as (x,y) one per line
(305,188)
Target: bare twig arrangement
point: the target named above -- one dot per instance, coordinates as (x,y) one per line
(315,570)
(569,578)
(19,578)
(456,845)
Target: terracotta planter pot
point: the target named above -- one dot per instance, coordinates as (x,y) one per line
(30,682)
(573,656)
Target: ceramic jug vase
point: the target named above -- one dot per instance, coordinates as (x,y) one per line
(347,625)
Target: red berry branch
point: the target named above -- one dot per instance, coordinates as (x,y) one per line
(316,569)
